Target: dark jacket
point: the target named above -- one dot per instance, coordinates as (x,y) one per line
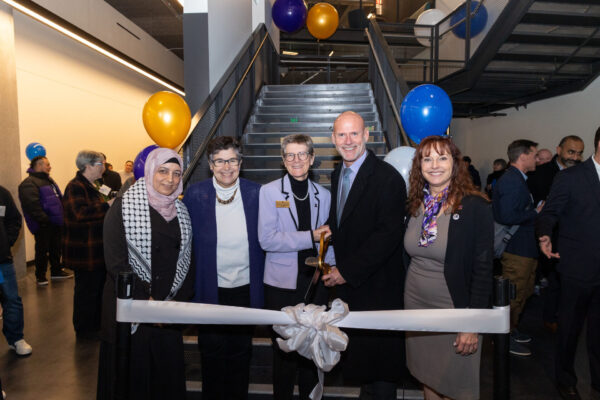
(84,218)
(368,251)
(513,205)
(111,179)
(200,199)
(10,224)
(468,266)
(41,201)
(117,260)
(574,203)
(474,176)
(541,179)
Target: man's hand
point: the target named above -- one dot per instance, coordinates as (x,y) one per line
(546,247)
(317,232)
(333,278)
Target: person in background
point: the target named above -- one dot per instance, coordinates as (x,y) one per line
(513,205)
(12,306)
(449,238)
(229,266)
(499,167)
(573,206)
(41,199)
(83,250)
(292,215)
(148,232)
(473,172)
(127,171)
(110,178)
(569,153)
(543,156)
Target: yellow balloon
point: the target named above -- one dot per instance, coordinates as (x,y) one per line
(167,119)
(322,20)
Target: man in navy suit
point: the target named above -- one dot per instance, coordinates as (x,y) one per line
(574,204)
(513,205)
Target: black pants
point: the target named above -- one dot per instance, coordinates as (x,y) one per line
(576,304)
(551,295)
(379,390)
(288,366)
(47,248)
(225,352)
(87,300)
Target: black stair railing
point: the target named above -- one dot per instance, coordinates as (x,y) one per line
(227,109)
(389,87)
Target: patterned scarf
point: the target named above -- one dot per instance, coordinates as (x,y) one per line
(138,233)
(432,205)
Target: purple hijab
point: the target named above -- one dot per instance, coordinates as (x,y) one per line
(165,205)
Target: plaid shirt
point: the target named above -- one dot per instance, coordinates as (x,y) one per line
(84,211)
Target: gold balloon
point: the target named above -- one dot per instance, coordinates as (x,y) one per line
(167,119)
(322,20)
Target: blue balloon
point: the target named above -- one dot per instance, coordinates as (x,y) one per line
(478,20)
(289,15)
(425,111)
(34,150)
(140,161)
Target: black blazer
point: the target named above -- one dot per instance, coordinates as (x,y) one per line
(541,179)
(468,266)
(368,253)
(574,203)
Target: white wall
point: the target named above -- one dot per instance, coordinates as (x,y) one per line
(99,19)
(71,98)
(545,122)
(229,27)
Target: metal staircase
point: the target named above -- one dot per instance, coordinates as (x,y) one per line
(309,109)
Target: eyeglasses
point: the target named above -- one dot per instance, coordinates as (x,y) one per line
(234,162)
(98,163)
(302,156)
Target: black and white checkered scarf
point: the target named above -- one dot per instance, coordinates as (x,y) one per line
(138,233)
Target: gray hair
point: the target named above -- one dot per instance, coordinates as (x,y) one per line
(298,139)
(87,157)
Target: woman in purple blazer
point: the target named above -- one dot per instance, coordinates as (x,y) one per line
(291,217)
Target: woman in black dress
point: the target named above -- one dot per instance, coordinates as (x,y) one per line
(159,258)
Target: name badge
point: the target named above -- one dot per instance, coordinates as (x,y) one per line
(2,211)
(105,190)
(282,204)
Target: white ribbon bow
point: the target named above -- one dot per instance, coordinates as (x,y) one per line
(314,336)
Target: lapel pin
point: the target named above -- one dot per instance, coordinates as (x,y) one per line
(456,217)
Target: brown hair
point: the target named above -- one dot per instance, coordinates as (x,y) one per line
(461,184)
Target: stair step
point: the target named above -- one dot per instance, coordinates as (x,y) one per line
(304,127)
(313,109)
(316,94)
(258,391)
(365,99)
(297,118)
(318,87)
(321,149)
(257,138)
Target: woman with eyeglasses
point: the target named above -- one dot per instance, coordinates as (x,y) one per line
(148,232)
(229,265)
(292,214)
(83,252)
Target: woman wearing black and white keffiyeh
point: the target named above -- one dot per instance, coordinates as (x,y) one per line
(148,232)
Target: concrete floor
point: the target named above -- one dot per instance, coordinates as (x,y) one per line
(62,367)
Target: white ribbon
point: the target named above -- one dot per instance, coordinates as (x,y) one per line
(310,330)
(315,337)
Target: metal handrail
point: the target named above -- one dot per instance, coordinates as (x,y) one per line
(387,88)
(202,148)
